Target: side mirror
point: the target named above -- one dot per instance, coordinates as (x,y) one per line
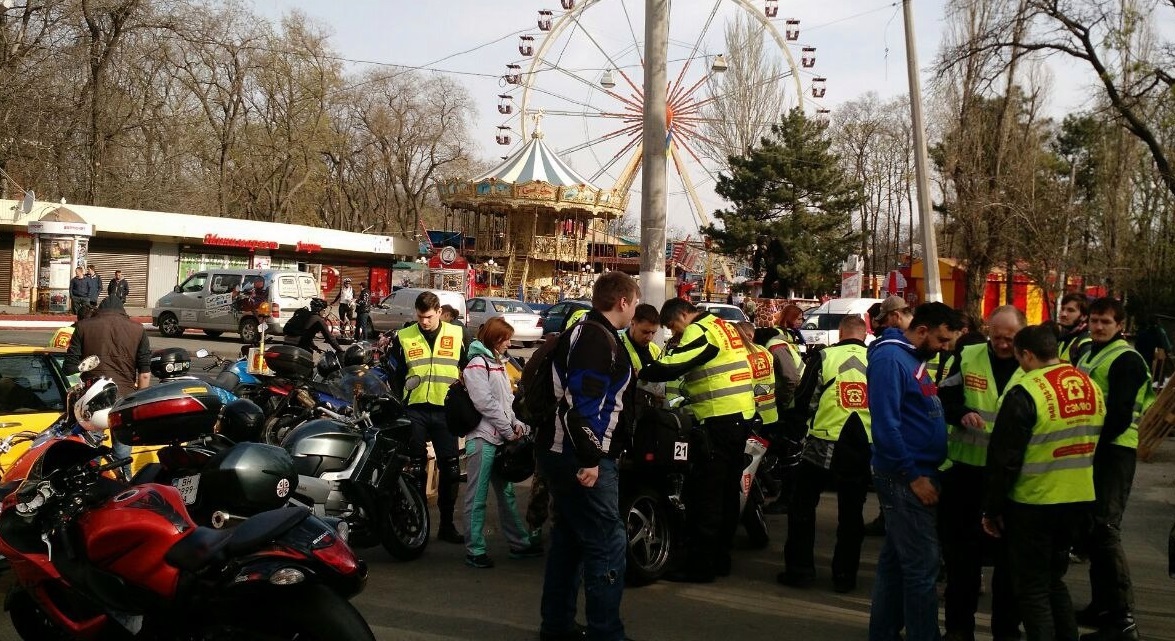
(411,383)
(88,363)
(201,353)
(177,289)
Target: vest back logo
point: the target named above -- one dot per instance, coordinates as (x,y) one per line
(760,364)
(1074,392)
(854,395)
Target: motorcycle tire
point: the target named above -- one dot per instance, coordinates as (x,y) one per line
(30,623)
(276,427)
(755,522)
(404,521)
(305,613)
(649,536)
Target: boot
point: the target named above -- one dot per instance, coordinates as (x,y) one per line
(1121,628)
(1092,617)
(449,534)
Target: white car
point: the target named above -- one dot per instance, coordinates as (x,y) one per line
(728,313)
(527,324)
(823,326)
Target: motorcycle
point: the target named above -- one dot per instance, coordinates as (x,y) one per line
(94,557)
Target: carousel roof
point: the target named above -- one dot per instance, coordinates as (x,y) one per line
(534,179)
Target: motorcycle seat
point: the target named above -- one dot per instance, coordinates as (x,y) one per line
(204,546)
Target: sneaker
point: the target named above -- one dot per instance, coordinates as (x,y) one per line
(479,561)
(1117,629)
(449,534)
(529,552)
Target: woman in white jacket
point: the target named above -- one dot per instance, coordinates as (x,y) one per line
(489,388)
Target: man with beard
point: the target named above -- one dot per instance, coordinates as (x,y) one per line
(1074,323)
(910,443)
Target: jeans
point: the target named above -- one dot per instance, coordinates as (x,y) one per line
(361,321)
(479,468)
(907,567)
(120,450)
(428,424)
(1109,575)
(849,473)
(588,546)
(1038,539)
(960,515)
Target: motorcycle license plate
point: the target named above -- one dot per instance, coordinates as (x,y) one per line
(187,485)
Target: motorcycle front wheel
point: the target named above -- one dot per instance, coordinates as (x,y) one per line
(650,536)
(404,521)
(753,519)
(29,621)
(305,613)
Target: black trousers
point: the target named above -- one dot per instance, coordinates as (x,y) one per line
(712,496)
(964,545)
(1109,575)
(1039,537)
(850,476)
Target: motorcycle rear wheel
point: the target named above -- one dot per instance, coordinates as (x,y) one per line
(649,536)
(305,613)
(404,521)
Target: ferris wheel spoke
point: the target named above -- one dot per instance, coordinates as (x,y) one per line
(617,156)
(681,144)
(675,89)
(631,129)
(607,55)
(585,114)
(684,99)
(635,43)
(573,101)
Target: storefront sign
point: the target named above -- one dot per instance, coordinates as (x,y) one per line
(60,228)
(247,243)
(309,248)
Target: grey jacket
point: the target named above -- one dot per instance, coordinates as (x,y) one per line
(489,389)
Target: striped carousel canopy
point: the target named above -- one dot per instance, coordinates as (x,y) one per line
(534,178)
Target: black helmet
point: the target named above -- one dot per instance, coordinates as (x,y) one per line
(241,420)
(515,460)
(358,354)
(318,304)
(170,362)
(328,364)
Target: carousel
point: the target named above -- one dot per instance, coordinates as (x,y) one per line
(533,214)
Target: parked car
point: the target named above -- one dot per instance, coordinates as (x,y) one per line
(554,317)
(399,308)
(729,313)
(822,327)
(229,300)
(539,308)
(528,326)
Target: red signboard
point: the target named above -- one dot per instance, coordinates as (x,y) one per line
(247,243)
(309,248)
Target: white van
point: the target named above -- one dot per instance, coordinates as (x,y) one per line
(227,300)
(399,308)
(821,327)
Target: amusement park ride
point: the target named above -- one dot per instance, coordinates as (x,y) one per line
(580,75)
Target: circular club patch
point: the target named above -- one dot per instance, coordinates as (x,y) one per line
(283,488)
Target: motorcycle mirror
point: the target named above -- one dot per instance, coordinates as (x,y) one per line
(411,383)
(89,363)
(201,353)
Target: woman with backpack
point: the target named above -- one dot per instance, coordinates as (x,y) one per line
(489,388)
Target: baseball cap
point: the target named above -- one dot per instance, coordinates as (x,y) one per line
(892,304)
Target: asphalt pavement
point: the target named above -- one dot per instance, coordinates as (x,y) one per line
(438,598)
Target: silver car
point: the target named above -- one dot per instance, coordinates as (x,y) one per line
(527,324)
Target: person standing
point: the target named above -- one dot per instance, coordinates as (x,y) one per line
(79,292)
(118,287)
(1124,379)
(712,361)
(788,366)
(1074,324)
(970,396)
(489,389)
(362,311)
(909,445)
(123,350)
(1040,478)
(638,338)
(435,351)
(1152,339)
(577,454)
(93,285)
(345,299)
(834,395)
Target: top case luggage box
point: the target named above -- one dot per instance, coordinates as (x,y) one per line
(171,412)
(289,361)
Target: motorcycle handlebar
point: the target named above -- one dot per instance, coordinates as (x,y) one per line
(115,464)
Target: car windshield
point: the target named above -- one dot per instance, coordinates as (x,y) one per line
(28,385)
(510,307)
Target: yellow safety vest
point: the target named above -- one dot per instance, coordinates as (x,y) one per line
(844,391)
(763,375)
(722,386)
(437,371)
(1058,463)
(62,337)
(1098,368)
(654,351)
(1074,345)
(940,362)
(966,445)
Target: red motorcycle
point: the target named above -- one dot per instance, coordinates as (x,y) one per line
(95,558)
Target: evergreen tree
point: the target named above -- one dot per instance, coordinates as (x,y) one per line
(792,200)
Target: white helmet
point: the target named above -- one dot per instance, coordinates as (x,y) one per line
(93,408)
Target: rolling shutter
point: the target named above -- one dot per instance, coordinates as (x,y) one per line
(6,241)
(109,254)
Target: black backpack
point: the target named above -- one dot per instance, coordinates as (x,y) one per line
(297,323)
(535,403)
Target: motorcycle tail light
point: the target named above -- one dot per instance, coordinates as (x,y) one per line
(114,421)
(337,555)
(170,407)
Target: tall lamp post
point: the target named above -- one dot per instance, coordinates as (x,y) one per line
(921,164)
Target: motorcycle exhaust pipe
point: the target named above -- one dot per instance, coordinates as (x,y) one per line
(221,520)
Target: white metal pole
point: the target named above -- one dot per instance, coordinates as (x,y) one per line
(921,165)
(653,165)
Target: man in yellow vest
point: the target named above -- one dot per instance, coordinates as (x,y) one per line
(711,358)
(434,351)
(1040,478)
(970,397)
(1124,379)
(1074,323)
(638,338)
(834,395)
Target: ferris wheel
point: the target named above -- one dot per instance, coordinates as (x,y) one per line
(582,73)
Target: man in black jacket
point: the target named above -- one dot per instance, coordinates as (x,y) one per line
(79,292)
(118,286)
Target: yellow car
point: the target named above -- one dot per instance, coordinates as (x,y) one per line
(32,397)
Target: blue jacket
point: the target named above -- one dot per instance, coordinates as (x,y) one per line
(909,429)
(79,287)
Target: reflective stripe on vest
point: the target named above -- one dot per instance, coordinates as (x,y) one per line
(785,340)
(574,318)
(1098,368)
(1058,462)
(763,372)
(966,445)
(844,392)
(723,385)
(437,370)
(1074,345)
(654,351)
